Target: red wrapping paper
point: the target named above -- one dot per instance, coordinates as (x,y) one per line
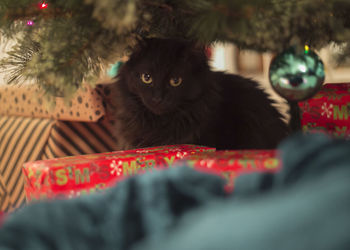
(231,164)
(2,217)
(72,176)
(328,111)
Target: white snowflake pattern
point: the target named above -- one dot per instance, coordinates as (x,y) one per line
(211,163)
(174,150)
(142,151)
(181,154)
(327,110)
(202,163)
(73,194)
(115,167)
(208,163)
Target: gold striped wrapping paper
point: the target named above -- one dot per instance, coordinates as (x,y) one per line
(29,101)
(25,139)
(4,198)
(21,140)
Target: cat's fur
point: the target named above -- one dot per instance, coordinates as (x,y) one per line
(209,108)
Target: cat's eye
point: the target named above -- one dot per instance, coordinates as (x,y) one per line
(146,78)
(175,81)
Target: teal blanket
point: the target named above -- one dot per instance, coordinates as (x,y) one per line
(305,206)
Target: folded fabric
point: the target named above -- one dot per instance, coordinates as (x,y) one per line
(305,206)
(137,208)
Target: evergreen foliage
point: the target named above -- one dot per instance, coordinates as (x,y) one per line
(71,41)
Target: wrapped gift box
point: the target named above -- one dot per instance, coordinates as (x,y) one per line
(72,176)
(231,164)
(32,128)
(328,111)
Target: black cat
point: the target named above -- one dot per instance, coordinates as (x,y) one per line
(167,94)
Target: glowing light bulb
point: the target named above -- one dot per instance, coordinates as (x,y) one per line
(307,48)
(30,23)
(43,5)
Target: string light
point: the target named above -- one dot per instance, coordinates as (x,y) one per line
(43,5)
(306,49)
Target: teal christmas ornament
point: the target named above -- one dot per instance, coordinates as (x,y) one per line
(295,75)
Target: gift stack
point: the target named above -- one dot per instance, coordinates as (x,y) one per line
(328,111)
(34,127)
(72,176)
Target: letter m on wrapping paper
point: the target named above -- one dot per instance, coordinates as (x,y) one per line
(130,168)
(80,177)
(341,112)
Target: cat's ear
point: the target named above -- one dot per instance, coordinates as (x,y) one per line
(197,50)
(136,49)
(196,45)
(138,45)
(144,44)
(190,45)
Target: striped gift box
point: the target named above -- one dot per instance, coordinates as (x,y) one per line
(24,139)
(29,131)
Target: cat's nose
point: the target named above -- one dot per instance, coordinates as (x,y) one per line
(157,99)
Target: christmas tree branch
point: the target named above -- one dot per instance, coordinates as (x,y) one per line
(76,37)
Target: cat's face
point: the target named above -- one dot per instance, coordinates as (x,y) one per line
(166,75)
